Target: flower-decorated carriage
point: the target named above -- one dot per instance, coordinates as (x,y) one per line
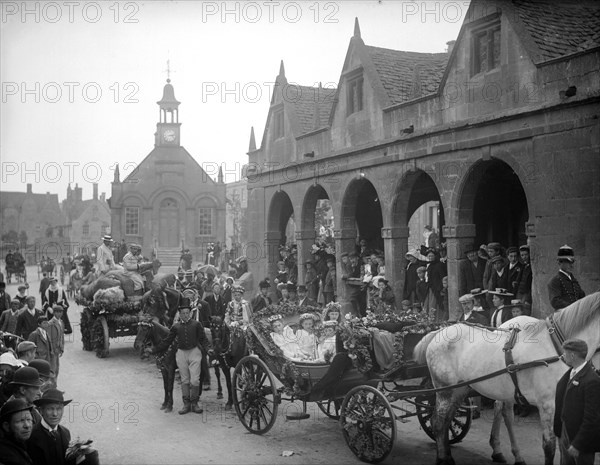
(366,393)
(106,318)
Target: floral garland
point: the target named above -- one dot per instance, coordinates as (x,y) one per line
(289,374)
(356,334)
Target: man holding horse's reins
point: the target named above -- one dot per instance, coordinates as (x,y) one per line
(564,289)
(191,345)
(577,414)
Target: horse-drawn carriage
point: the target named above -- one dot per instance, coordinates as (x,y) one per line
(15,267)
(364,398)
(101,321)
(48,266)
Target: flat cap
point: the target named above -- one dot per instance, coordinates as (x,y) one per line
(25,346)
(576,345)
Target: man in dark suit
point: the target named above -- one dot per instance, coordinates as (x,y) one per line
(564,289)
(49,440)
(514,269)
(470,272)
(216,301)
(469,315)
(303,299)
(499,275)
(577,414)
(15,424)
(27,322)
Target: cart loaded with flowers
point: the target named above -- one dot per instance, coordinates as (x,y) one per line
(366,397)
(109,315)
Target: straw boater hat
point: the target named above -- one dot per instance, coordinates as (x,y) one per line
(107,238)
(501,292)
(466,298)
(566,253)
(478,292)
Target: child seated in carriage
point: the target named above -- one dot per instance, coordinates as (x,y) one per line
(285,338)
(305,336)
(327,342)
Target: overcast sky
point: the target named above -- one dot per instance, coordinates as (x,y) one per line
(80,80)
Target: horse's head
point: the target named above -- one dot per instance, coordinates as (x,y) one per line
(144,332)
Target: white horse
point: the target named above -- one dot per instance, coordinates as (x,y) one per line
(460,353)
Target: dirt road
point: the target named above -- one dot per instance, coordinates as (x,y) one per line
(116,403)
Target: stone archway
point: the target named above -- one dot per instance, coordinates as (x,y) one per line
(494,200)
(281,212)
(417,203)
(361,212)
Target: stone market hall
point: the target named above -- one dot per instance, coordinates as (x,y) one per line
(502,130)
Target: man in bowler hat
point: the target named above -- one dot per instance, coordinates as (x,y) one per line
(577,414)
(564,289)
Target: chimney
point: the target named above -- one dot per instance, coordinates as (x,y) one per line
(450,45)
(95,194)
(29,188)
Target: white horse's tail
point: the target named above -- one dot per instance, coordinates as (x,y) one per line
(419,354)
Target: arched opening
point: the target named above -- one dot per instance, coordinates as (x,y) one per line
(494,200)
(317,214)
(361,210)
(281,218)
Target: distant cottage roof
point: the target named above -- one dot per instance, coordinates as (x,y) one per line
(16,200)
(399,70)
(557,29)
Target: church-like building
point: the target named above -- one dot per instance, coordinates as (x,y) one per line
(168,203)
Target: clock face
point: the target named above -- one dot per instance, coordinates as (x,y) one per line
(169,135)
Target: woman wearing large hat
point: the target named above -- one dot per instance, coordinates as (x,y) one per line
(502,309)
(564,289)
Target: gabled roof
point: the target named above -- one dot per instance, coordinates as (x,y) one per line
(556,29)
(313,107)
(408,75)
(16,200)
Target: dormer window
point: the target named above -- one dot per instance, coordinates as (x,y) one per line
(485,50)
(354,94)
(278,126)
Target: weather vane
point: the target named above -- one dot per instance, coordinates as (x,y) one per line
(168,71)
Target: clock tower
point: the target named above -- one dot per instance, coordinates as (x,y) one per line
(168,127)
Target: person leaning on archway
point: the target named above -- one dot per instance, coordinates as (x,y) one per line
(577,414)
(564,289)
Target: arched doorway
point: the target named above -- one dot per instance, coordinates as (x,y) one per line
(168,223)
(361,210)
(281,217)
(494,200)
(317,213)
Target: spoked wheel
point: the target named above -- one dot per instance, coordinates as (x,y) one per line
(368,424)
(460,424)
(255,396)
(330,407)
(104,343)
(85,325)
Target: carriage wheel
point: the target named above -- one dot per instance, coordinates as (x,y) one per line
(368,423)
(85,325)
(255,396)
(459,425)
(330,407)
(103,353)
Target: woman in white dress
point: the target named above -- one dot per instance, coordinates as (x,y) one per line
(285,338)
(306,338)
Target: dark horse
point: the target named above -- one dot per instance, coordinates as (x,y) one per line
(224,355)
(150,331)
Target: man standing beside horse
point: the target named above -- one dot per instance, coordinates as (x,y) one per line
(105,260)
(191,345)
(577,414)
(564,289)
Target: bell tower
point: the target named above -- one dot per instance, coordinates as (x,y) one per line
(168,126)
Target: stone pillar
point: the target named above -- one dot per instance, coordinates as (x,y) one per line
(539,291)
(395,242)
(272,243)
(304,240)
(458,238)
(345,241)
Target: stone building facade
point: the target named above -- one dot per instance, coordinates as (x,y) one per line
(168,202)
(502,131)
